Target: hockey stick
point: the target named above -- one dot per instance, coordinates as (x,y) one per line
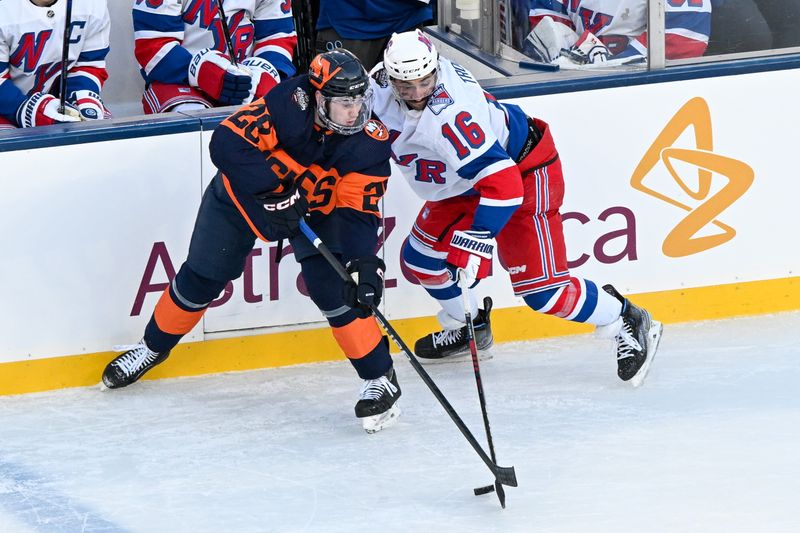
(65,58)
(503,475)
(473,350)
(306,36)
(226,33)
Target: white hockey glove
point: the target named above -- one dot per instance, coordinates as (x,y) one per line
(88,104)
(213,73)
(263,75)
(545,41)
(471,251)
(41,109)
(587,50)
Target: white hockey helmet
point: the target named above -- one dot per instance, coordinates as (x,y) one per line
(409,56)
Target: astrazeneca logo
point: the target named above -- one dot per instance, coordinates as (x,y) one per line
(706,207)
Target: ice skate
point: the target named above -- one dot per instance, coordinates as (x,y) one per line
(451,345)
(376,405)
(131,365)
(635,341)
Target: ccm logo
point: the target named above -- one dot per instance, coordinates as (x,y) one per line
(283,204)
(517,269)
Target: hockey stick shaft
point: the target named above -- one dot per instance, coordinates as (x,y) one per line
(65,58)
(226,33)
(504,475)
(473,350)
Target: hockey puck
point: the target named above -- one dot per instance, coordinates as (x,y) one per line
(483,490)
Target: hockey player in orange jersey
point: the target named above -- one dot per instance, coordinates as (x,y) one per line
(311,149)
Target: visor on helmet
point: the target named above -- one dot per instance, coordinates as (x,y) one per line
(345,115)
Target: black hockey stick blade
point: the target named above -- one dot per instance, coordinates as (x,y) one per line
(506,475)
(480,491)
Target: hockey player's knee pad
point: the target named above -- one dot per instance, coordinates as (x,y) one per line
(193,290)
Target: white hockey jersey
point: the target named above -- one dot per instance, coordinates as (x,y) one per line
(622,24)
(31,43)
(169,32)
(462,137)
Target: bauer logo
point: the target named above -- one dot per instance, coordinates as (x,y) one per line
(708,182)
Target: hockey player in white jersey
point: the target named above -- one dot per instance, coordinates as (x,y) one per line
(181,48)
(492,178)
(596,32)
(31,40)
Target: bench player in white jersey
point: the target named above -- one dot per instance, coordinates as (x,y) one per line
(491,175)
(31,40)
(181,49)
(597,31)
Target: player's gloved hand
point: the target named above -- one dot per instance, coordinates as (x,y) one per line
(471,251)
(587,50)
(263,74)
(41,109)
(365,289)
(213,73)
(88,103)
(284,211)
(548,37)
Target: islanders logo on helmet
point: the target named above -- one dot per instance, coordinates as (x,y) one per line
(321,71)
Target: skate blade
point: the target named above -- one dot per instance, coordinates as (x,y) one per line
(103,387)
(483,355)
(375,423)
(656,329)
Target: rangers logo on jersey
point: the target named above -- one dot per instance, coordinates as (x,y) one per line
(439,100)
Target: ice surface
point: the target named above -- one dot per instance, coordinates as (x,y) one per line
(708,443)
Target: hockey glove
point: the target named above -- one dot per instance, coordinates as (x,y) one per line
(548,37)
(284,212)
(263,74)
(587,50)
(213,73)
(89,105)
(41,109)
(471,251)
(365,289)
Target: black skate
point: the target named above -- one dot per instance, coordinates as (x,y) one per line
(451,345)
(637,340)
(131,365)
(376,404)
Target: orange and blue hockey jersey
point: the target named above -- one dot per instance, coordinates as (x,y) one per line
(273,142)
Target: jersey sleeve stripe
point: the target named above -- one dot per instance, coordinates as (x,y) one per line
(476,167)
(88,56)
(268,27)
(144,21)
(491,202)
(170,64)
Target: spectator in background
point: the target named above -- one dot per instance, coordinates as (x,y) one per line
(598,31)
(31,38)
(181,49)
(365,26)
